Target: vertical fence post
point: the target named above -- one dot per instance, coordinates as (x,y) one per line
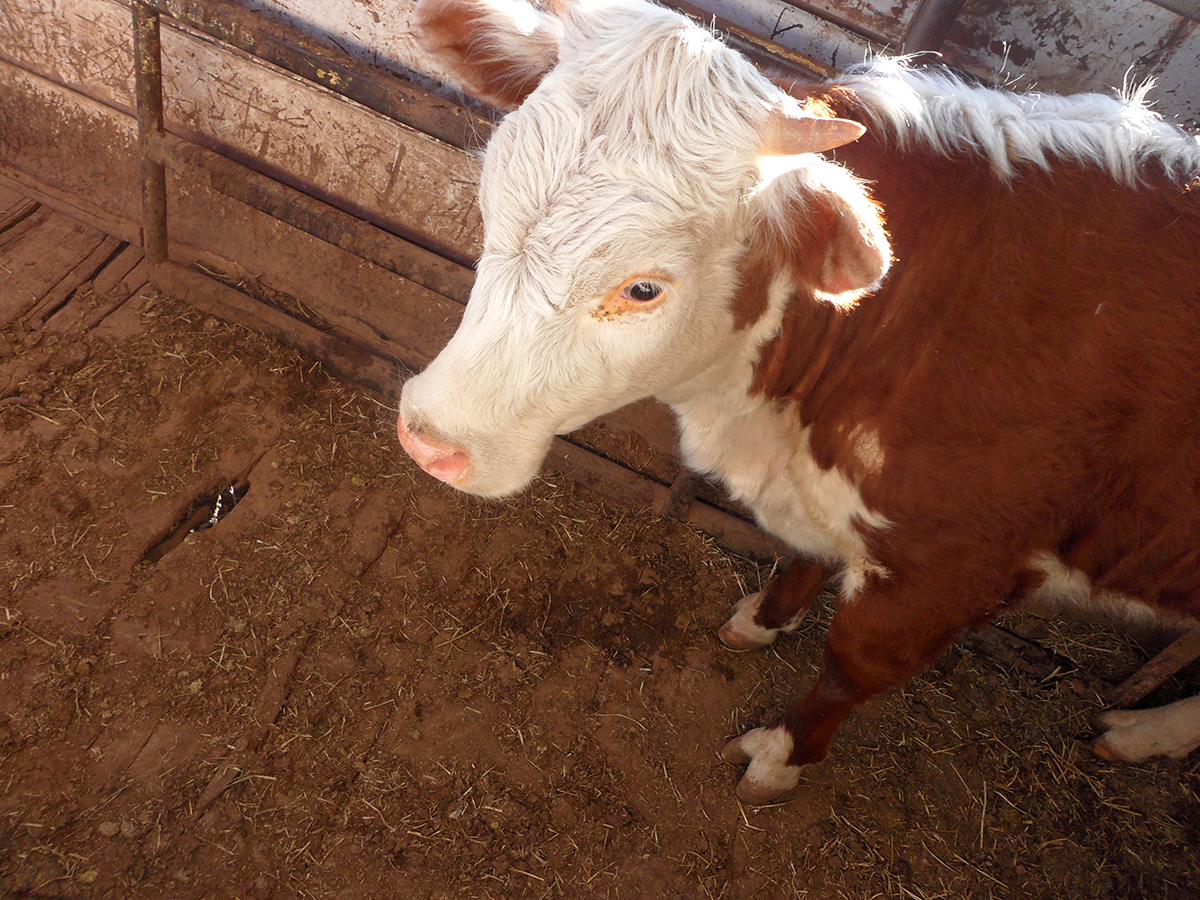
(147,58)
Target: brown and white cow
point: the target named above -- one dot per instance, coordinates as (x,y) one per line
(957,359)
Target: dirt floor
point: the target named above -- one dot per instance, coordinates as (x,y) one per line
(359,684)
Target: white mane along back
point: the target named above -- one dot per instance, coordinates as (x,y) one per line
(1119,134)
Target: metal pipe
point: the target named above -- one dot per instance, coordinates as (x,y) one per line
(147,60)
(1189,9)
(931,24)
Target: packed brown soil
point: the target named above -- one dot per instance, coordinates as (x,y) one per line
(359,684)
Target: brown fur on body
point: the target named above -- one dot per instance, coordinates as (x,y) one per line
(1031,367)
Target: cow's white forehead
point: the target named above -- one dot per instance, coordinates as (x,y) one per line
(647,126)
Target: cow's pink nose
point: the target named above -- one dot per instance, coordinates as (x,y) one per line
(443,461)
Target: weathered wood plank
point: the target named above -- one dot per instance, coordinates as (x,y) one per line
(18,229)
(787,21)
(14,207)
(319,219)
(88,46)
(89,157)
(340,292)
(328,65)
(10,199)
(393,176)
(1181,652)
(116,270)
(121,279)
(36,255)
(76,207)
(82,272)
(341,357)
(17,213)
(379,33)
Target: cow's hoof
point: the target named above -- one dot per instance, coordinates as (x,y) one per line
(1135,735)
(741,632)
(1125,738)
(765,752)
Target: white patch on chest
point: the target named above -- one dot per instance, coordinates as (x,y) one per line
(758,450)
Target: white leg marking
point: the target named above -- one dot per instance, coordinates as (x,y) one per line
(741,632)
(1135,735)
(769,775)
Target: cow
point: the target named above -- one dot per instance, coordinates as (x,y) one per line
(941,338)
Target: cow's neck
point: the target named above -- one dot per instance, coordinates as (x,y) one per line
(758,447)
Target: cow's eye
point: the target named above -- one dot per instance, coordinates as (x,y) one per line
(637,295)
(643,291)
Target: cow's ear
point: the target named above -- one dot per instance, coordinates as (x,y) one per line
(818,220)
(497,49)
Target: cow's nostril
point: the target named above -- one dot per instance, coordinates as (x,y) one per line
(442,460)
(449,469)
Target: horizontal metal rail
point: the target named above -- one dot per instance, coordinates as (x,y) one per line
(1189,9)
(316,217)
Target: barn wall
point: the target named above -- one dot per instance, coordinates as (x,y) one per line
(97,167)
(1063,46)
(397,176)
(1077,45)
(409,182)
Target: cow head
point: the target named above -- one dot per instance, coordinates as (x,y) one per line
(621,201)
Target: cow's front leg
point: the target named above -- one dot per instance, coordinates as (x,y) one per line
(878,638)
(780,606)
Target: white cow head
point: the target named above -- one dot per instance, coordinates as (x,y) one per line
(620,202)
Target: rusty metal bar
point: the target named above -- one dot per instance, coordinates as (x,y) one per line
(762,51)
(1187,8)
(931,24)
(147,57)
